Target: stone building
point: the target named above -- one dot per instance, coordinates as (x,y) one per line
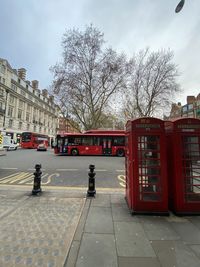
(23,106)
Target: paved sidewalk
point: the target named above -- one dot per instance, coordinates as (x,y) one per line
(109,236)
(37,230)
(61,228)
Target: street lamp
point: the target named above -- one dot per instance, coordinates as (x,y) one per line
(180,6)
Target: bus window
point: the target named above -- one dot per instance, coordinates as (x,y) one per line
(66,142)
(87,141)
(96,141)
(118,141)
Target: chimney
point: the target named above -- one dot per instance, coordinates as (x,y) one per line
(22,73)
(51,98)
(44,92)
(198,97)
(190,99)
(35,84)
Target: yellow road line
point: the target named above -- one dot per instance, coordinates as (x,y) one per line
(11,175)
(67,188)
(20,175)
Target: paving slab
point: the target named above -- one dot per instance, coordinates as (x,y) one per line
(131,240)
(138,262)
(158,228)
(195,220)
(99,220)
(97,250)
(39,231)
(165,251)
(175,253)
(101,200)
(118,199)
(120,212)
(196,250)
(73,254)
(81,225)
(187,231)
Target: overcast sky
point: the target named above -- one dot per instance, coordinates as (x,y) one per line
(31,32)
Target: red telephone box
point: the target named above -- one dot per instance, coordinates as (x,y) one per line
(146,177)
(183,152)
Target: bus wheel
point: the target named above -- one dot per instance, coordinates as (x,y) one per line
(120,152)
(74,152)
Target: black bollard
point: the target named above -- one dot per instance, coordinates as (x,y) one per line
(37,180)
(91,183)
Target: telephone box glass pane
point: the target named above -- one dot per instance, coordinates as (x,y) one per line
(149,168)
(191,167)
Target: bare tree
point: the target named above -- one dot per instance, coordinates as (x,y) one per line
(152,84)
(88,76)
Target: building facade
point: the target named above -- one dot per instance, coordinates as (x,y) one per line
(66,126)
(23,106)
(191,109)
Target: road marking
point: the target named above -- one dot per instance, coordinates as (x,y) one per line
(14,176)
(26,178)
(84,189)
(21,177)
(30,177)
(100,170)
(122,180)
(50,177)
(9,168)
(11,175)
(34,169)
(120,170)
(62,170)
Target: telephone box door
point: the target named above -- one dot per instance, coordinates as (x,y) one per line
(191,168)
(149,168)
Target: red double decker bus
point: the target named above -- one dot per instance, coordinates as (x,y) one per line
(32,140)
(93,142)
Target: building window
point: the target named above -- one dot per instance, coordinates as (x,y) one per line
(21,104)
(184,108)
(34,128)
(22,92)
(30,97)
(28,127)
(10,111)
(27,116)
(3,69)
(19,114)
(12,99)
(1,92)
(20,125)
(13,87)
(28,108)
(10,123)
(190,106)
